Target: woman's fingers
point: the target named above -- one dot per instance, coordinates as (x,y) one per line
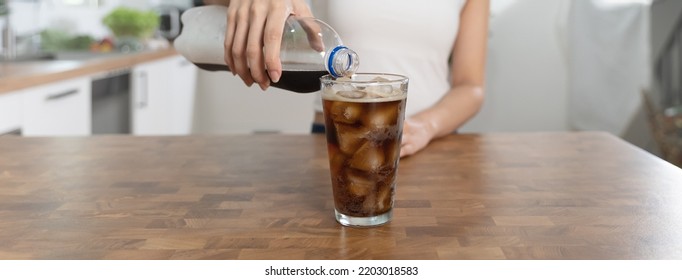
(241,66)
(253,37)
(405,144)
(272,38)
(229,35)
(416,136)
(254,44)
(312,30)
(407,150)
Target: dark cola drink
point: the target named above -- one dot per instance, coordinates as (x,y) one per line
(364,121)
(305,80)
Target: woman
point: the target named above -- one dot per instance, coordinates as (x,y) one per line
(440,46)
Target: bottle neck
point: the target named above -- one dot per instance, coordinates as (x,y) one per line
(341,61)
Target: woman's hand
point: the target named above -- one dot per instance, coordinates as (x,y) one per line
(253,37)
(416,135)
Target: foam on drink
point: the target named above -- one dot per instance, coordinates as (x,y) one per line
(372,90)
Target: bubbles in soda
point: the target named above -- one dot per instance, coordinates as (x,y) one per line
(363,142)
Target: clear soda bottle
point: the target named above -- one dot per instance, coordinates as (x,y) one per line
(309,49)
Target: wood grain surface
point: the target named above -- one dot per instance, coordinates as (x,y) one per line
(495,196)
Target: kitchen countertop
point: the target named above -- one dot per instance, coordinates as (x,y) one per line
(573,195)
(19,75)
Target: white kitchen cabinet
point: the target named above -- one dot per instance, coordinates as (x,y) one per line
(57,109)
(163,93)
(10,112)
(225,105)
(150,104)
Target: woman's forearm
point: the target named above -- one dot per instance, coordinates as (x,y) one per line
(466,95)
(459,105)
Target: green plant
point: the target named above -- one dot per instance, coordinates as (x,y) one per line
(53,40)
(130,22)
(4,9)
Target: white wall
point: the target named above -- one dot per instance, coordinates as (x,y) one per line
(526,82)
(609,65)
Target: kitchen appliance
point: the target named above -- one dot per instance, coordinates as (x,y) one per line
(170,12)
(170,25)
(111,103)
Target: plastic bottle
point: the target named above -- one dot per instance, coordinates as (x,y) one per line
(310,48)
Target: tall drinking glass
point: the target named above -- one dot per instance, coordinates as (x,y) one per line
(364,121)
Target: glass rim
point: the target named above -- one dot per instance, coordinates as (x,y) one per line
(391,79)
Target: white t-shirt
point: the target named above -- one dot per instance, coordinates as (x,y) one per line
(406,37)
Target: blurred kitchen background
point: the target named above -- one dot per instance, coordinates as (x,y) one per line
(553,65)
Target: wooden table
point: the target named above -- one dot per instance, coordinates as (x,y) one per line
(498,196)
